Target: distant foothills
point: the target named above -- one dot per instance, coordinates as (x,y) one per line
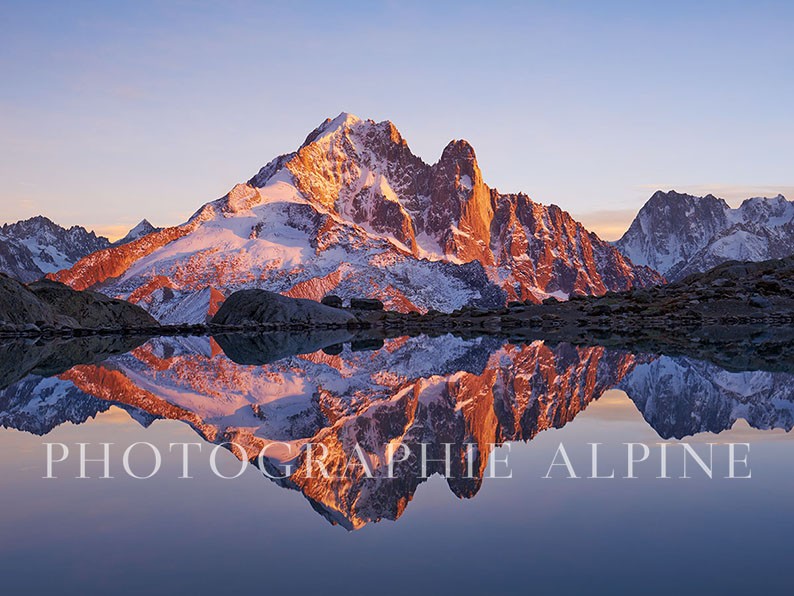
(354,213)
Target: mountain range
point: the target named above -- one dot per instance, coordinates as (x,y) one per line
(680,234)
(31,248)
(354,212)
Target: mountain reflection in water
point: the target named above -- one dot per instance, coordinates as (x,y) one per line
(315,388)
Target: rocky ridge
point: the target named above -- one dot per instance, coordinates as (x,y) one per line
(736,314)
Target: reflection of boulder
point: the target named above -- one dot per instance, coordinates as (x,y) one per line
(679,397)
(21,357)
(263,348)
(263,307)
(366,344)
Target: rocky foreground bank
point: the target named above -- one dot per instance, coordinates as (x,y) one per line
(739,315)
(741,311)
(51,308)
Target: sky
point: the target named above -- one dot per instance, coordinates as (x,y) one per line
(112,112)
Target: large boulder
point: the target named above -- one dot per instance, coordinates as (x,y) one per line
(366,304)
(246,307)
(91,309)
(332,300)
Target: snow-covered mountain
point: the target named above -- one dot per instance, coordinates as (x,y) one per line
(679,234)
(139,231)
(38,404)
(31,248)
(353,211)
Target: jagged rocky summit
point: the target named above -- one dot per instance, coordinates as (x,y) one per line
(680,234)
(354,212)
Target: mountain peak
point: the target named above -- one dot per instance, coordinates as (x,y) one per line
(779,199)
(35,246)
(139,231)
(344,119)
(459,149)
(142,226)
(36,221)
(678,234)
(682,200)
(330,125)
(670,194)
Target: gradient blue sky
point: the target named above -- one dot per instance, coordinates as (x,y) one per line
(111,112)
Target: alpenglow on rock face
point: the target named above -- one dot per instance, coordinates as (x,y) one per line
(679,234)
(353,212)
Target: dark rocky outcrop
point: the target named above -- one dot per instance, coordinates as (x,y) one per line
(20,307)
(47,306)
(91,310)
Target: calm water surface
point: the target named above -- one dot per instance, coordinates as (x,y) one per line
(401,535)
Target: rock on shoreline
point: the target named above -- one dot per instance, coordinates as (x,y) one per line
(260,307)
(50,307)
